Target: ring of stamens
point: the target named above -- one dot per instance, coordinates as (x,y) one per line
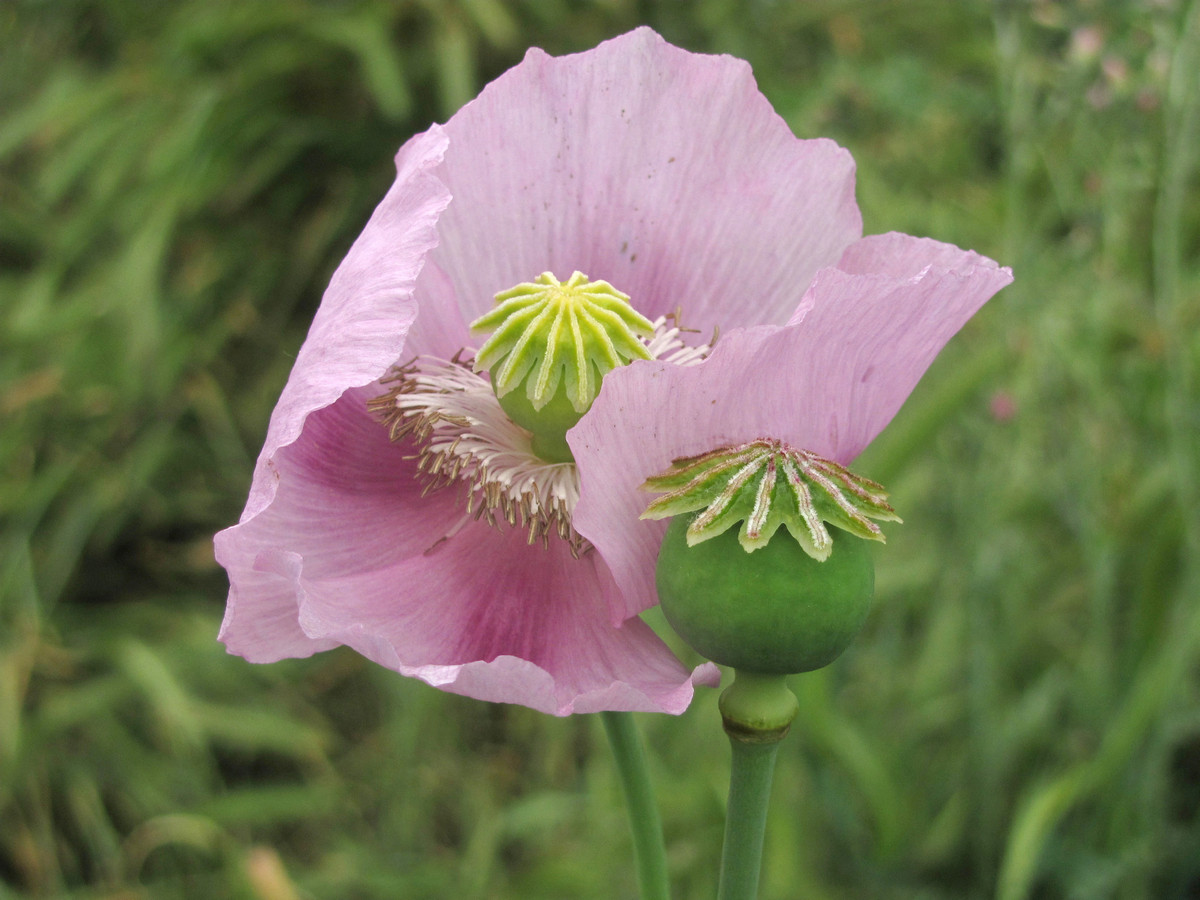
(764,484)
(462,435)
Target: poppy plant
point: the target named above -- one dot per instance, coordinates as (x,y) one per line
(464,509)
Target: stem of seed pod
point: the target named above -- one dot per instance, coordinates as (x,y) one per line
(757,711)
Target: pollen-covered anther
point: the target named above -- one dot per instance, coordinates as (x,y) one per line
(666,343)
(764,484)
(550,332)
(460,433)
(462,436)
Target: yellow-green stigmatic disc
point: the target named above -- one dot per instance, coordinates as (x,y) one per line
(552,342)
(775,611)
(765,484)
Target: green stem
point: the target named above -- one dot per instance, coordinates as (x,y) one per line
(650,856)
(746,819)
(757,711)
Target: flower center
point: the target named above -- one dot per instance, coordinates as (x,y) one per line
(463,435)
(557,340)
(764,484)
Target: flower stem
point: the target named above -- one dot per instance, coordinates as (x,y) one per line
(746,819)
(650,856)
(757,711)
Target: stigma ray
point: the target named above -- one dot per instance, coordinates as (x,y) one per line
(741,484)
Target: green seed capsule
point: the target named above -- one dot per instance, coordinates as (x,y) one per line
(552,344)
(548,425)
(776,610)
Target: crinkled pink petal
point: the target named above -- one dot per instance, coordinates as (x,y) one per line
(664,172)
(487,615)
(360,328)
(345,496)
(828,382)
(358,332)
(875,323)
(350,552)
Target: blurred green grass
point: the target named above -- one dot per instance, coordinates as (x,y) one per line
(1021,718)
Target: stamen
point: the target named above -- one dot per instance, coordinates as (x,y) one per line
(666,345)
(461,434)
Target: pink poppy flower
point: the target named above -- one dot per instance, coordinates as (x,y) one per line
(395,508)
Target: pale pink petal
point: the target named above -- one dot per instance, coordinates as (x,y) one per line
(261,621)
(664,172)
(360,328)
(344,496)
(828,383)
(877,321)
(349,552)
(646,415)
(487,615)
(357,333)
(440,329)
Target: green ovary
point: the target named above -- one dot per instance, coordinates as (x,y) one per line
(779,594)
(775,611)
(548,425)
(552,343)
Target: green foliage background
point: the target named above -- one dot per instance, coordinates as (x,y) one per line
(1021,718)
